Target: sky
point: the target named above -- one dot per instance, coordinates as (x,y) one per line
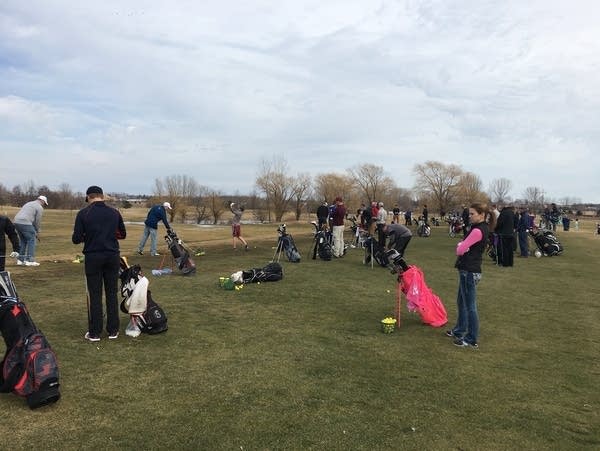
(119,93)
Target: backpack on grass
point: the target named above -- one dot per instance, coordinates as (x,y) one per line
(29,368)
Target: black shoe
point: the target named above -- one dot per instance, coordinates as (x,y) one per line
(140,252)
(246,247)
(461,343)
(449,333)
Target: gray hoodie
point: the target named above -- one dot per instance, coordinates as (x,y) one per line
(30,214)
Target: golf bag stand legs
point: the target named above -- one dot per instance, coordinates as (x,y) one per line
(278,251)
(398,301)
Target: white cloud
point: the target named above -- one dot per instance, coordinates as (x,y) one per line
(209,88)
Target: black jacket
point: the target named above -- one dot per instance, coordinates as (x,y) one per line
(322,212)
(99,227)
(506,221)
(471,260)
(7,228)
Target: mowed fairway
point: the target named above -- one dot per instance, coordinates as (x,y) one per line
(302,363)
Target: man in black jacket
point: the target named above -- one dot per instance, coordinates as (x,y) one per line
(7,228)
(322,215)
(505,228)
(99,227)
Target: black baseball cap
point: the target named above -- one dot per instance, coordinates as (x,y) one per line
(93,190)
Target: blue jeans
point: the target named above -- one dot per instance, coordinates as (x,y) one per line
(148,231)
(27,235)
(467,324)
(524,243)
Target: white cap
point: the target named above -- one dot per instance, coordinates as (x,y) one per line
(43,199)
(167,205)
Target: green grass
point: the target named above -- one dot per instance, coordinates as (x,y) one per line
(302,363)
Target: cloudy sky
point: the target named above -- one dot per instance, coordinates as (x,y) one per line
(121,92)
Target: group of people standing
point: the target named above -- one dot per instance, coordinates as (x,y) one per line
(512,228)
(333,217)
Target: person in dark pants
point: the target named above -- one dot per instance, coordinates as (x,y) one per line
(505,231)
(523,231)
(7,228)
(100,227)
(322,215)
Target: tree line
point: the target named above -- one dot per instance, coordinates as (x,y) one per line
(277,192)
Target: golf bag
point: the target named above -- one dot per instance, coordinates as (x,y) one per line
(286,244)
(29,368)
(546,242)
(180,253)
(455,225)
(423,229)
(421,299)
(272,272)
(145,315)
(322,244)
(374,251)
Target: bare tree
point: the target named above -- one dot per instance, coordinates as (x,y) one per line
(4,195)
(469,189)
(28,188)
(328,186)
(499,189)
(276,184)
(301,187)
(403,197)
(199,204)
(437,182)
(177,190)
(66,197)
(215,204)
(534,197)
(372,182)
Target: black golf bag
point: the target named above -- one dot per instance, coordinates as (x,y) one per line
(423,229)
(374,251)
(286,244)
(29,367)
(272,272)
(145,315)
(322,244)
(546,242)
(180,253)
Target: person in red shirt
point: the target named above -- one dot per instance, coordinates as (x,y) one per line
(338,217)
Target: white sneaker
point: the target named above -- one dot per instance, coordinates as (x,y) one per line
(90,337)
(20,263)
(32,264)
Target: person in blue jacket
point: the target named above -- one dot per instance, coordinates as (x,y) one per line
(156,214)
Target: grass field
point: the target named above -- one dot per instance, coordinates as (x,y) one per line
(302,363)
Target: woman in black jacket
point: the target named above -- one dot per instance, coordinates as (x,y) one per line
(469,257)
